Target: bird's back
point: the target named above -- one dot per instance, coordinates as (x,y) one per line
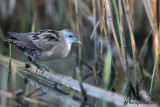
(38,42)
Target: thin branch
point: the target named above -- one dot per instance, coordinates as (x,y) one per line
(10,95)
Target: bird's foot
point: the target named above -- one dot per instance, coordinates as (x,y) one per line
(27,65)
(39,66)
(43,67)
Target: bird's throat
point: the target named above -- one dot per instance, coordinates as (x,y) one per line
(69,46)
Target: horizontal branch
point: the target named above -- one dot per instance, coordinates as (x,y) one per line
(58,94)
(92,91)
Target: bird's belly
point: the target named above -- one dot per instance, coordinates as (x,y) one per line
(53,55)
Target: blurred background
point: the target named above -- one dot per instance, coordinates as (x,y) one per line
(92,23)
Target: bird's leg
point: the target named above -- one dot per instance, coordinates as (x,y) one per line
(38,65)
(33,62)
(44,67)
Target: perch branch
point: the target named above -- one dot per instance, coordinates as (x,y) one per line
(68,82)
(55,92)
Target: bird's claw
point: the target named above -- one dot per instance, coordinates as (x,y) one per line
(44,69)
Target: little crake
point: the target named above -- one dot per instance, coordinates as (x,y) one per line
(45,44)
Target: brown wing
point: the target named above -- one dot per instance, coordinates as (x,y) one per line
(44,39)
(21,39)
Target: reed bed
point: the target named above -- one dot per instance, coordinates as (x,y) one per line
(121,43)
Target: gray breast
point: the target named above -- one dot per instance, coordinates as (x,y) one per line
(58,51)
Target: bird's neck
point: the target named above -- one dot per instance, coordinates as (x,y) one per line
(69,46)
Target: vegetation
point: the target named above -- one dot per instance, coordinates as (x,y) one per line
(120,52)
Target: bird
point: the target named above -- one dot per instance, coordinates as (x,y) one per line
(45,44)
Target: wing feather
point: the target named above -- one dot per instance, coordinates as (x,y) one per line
(44,39)
(21,44)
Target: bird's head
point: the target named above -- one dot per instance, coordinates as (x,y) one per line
(69,36)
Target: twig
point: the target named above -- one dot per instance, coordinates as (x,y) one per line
(145,43)
(108,10)
(84,100)
(29,95)
(123,35)
(78,30)
(152,16)
(10,95)
(95,28)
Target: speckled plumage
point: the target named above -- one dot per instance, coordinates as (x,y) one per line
(45,44)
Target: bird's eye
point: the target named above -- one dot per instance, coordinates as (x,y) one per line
(70,36)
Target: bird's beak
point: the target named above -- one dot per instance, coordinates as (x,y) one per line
(78,41)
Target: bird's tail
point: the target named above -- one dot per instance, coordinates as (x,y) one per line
(16,43)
